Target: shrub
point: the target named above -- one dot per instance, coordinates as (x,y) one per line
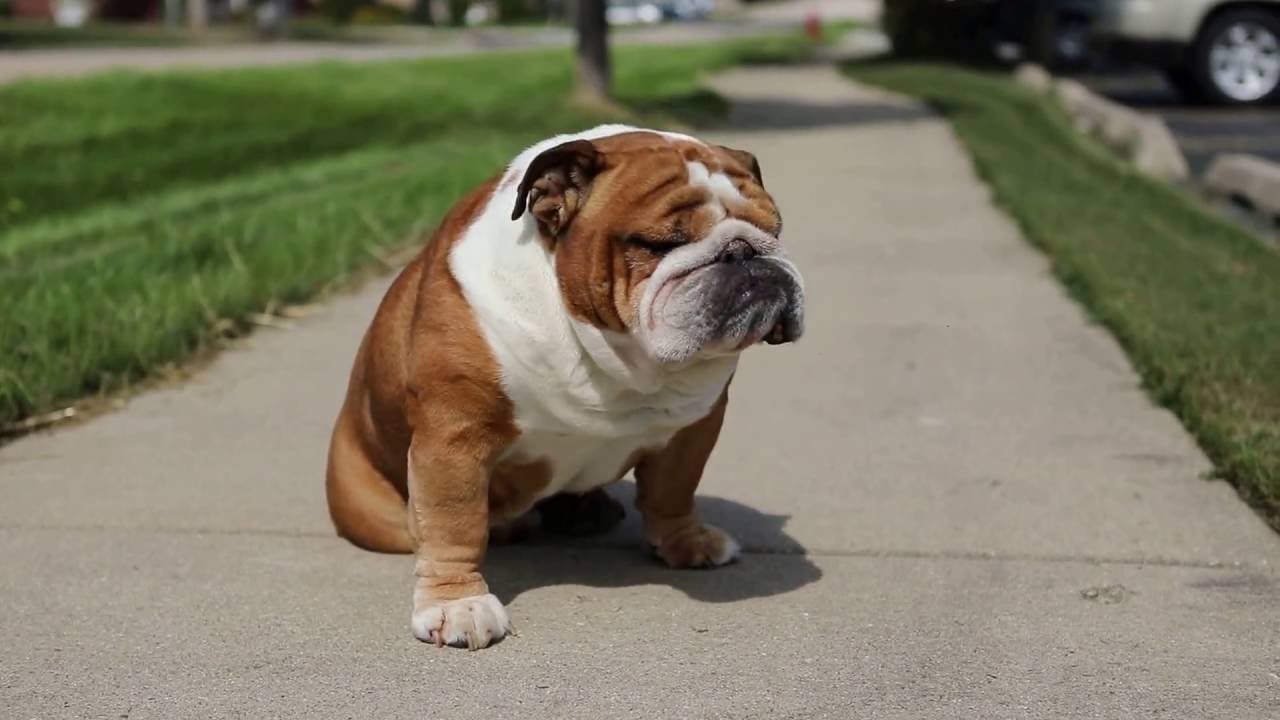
(520,10)
(340,11)
(458,12)
(377,14)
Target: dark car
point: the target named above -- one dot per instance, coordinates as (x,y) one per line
(1054,33)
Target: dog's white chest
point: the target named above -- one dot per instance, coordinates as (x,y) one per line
(581,462)
(585,400)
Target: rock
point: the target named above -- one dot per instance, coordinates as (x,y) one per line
(1157,153)
(1142,139)
(1034,77)
(1249,177)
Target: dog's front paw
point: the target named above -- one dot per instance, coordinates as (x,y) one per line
(470,622)
(698,546)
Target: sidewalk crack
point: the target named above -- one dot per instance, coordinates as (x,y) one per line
(616,544)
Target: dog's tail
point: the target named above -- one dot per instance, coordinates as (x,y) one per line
(365,507)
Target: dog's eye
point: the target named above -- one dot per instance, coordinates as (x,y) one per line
(656,248)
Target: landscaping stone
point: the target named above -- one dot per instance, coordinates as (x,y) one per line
(1143,139)
(1246,177)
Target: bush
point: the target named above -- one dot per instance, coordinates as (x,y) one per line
(458,12)
(123,10)
(420,13)
(953,29)
(340,11)
(362,12)
(376,14)
(520,10)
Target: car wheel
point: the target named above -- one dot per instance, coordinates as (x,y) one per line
(1071,42)
(1237,58)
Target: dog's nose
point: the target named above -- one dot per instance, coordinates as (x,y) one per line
(737,251)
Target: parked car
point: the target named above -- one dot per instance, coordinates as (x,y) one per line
(649,12)
(1054,33)
(1222,51)
(687,9)
(633,12)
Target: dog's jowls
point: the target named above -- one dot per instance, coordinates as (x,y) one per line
(576,317)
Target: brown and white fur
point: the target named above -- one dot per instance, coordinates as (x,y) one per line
(575,318)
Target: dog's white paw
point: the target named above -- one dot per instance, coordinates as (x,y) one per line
(470,622)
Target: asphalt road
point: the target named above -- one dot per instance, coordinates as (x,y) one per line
(1202,131)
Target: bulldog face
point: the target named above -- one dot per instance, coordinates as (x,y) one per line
(670,240)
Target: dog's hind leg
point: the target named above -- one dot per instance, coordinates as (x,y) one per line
(364,504)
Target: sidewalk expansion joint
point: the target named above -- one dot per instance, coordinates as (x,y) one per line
(619,545)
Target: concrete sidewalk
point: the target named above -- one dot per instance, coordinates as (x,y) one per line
(955,498)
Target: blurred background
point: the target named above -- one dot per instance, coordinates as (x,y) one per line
(197,167)
(1210,68)
(228,18)
(1185,60)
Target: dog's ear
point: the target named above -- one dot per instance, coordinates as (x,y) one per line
(747,160)
(556,184)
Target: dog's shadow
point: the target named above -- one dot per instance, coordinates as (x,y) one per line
(772,561)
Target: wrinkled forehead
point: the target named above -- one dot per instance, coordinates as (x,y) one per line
(678,184)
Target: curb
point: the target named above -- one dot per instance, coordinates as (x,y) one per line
(1141,138)
(1249,178)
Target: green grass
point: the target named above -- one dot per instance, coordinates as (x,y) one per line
(144,215)
(1194,300)
(29,34)
(24,34)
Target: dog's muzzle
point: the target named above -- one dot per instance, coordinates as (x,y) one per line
(725,298)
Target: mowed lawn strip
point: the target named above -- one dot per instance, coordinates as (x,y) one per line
(80,142)
(150,213)
(1194,300)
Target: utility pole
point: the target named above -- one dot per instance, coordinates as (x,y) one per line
(197,14)
(593,50)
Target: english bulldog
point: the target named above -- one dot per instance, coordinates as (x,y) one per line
(576,317)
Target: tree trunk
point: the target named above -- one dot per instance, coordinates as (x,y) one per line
(458,12)
(421,13)
(593,49)
(197,14)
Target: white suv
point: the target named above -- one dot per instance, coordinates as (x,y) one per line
(1225,51)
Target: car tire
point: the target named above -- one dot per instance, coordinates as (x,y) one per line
(1236,58)
(1071,42)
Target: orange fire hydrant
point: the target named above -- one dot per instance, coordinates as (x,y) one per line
(813,26)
